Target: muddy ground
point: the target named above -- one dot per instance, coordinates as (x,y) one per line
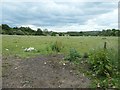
(41,72)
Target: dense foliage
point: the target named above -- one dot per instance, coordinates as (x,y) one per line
(101,63)
(28,31)
(73,55)
(104,66)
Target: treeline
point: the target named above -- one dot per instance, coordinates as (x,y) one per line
(108,32)
(6,29)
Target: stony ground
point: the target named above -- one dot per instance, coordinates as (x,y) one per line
(41,72)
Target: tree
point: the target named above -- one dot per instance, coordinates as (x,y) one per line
(39,32)
(61,34)
(81,33)
(5,27)
(53,33)
(45,32)
(0,29)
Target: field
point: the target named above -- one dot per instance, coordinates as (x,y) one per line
(24,68)
(15,45)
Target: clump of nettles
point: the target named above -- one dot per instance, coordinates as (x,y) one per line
(73,55)
(103,68)
(101,63)
(56,46)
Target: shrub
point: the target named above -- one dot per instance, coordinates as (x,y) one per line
(56,46)
(73,55)
(101,63)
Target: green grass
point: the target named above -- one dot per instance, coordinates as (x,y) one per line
(16,44)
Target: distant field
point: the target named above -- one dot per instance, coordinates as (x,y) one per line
(15,45)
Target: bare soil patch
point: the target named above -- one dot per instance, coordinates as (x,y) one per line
(41,72)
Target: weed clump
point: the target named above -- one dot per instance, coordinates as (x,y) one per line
(56,46)
(101,65)
(73,55)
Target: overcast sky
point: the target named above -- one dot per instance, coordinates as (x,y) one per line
(61,16)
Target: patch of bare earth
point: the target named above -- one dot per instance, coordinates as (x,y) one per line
(41,72)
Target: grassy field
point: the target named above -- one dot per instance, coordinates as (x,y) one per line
(15,45)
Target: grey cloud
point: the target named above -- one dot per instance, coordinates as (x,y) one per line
(53,13)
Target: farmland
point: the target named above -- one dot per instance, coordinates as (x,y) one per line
(17,44)
(17,60)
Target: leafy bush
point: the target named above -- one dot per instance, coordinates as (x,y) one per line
(109,82)
(101,63)
(56,46)
(73,55)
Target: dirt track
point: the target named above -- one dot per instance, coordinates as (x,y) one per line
(41,72)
